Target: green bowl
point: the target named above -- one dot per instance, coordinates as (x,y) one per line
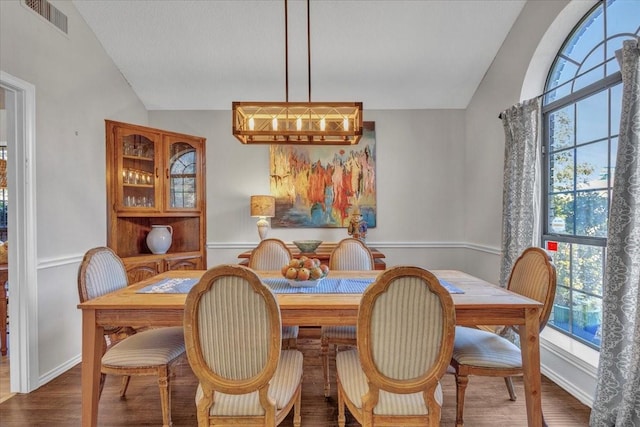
(307,246)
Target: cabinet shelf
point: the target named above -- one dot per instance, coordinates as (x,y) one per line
(139,185)
(155,189)
(140,158)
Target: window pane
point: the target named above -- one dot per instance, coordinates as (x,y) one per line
(592,208)
(622,17)
(561,125)
(561,214)
(614,154)
(587,317)
(592,163)
(616,106)
(562,171)
(592,114)
(560,316)
(585,37)
(563,70)
(594,60)
(587,274)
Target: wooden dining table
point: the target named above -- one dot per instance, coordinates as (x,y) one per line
(481,303)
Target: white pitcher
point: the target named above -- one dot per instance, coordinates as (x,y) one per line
(159,238)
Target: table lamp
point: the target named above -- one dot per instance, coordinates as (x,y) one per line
(263,207)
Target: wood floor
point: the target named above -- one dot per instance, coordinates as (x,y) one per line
(58,402)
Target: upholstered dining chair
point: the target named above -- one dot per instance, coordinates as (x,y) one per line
(150,352)
(406,325)
(273,254)
(484,353)
(349,254)
(233,332)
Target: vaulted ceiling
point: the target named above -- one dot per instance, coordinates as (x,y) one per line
(388,54)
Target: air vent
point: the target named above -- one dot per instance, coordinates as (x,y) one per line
(48,12)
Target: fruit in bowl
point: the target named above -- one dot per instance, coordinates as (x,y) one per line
(305,269)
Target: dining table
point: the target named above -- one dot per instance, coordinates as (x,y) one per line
(477,302)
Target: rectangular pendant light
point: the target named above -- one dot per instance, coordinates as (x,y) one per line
(316,123)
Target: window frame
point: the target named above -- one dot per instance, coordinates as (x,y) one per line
(550,106)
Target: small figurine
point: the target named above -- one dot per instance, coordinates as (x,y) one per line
(357,226)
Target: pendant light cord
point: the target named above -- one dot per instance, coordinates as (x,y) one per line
(286,52)
(286,49)
(309,48)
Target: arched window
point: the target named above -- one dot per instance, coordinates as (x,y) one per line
(581,119)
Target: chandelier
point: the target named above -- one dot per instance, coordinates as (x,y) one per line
(313,123)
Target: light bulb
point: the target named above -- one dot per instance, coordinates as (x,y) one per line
(322,124)
(299,124)
(345,123)
(274,123)
(251,123)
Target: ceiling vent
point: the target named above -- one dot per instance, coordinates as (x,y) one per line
(48,12)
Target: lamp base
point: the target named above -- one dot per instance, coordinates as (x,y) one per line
(263,228)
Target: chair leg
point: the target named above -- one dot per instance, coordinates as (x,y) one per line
(103,378)
(124,386)
(324,352)
(297,419)
(342,420)
(510,389)
(461,388)
(164,383)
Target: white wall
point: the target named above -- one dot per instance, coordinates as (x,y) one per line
(419,178)
(77,87)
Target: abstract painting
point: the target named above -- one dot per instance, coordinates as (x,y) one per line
(321,186)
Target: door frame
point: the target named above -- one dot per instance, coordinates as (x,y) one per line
(20,99)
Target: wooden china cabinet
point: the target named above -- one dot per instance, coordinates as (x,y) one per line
(155,177)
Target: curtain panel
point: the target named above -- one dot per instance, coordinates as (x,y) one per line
(521,181)
(617,398)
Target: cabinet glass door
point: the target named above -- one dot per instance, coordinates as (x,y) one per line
(182,175)
(138,170)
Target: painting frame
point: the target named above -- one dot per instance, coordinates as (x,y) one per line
(322,186)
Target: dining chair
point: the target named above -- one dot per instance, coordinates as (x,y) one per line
(349,254)
(273,254)
(485,353)
(405,329)
(149,352)
(233,333)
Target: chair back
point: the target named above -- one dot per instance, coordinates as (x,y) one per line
(270,254)
(351,254)
(534,276)
(406,327)
(232,331)
(101,272)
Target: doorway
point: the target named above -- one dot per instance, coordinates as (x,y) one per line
(19,128)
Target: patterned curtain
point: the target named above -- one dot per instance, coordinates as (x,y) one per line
(520,206)
(617,400)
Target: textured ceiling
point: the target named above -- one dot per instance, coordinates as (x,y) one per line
(395,54)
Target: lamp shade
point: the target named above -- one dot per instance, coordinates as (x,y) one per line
(263,206)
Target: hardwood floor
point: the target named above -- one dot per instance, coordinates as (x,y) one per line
(487,404)
(5,392)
